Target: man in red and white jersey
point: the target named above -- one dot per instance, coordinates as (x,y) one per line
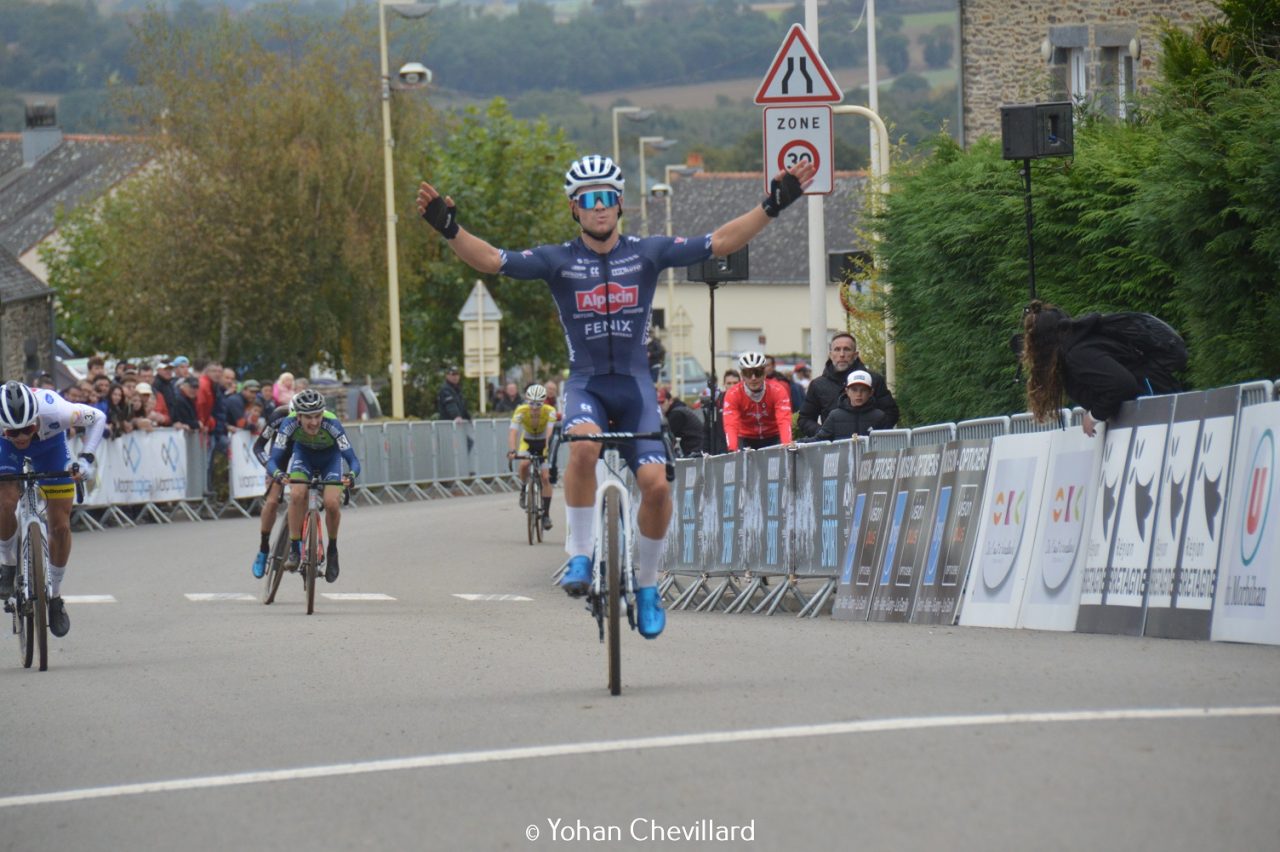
(757,411)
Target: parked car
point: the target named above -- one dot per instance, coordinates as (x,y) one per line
(693,377)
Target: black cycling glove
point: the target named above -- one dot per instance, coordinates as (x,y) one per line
(782,193)
(443,217)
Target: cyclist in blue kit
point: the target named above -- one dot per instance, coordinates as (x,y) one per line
(603,284)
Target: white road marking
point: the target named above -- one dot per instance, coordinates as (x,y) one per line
(356,596)
(79,599)
(220,596)
(492,597)
(868,726)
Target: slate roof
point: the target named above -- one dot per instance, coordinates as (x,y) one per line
(80,170)
(780,253)
(17,282)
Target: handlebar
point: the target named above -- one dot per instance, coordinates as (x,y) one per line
(36,476)
(617,437)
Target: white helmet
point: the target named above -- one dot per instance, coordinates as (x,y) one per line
(18,407)
(535,393)
(592,170)
(750,361)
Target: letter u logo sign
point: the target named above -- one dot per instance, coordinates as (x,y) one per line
(1257,501)
(1258,507)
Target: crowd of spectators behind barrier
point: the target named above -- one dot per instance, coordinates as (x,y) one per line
(202,397)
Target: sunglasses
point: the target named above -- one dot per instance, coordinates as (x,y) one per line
(607,197)
(21,433)
(753,373)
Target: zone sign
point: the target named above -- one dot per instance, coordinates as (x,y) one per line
(793,134)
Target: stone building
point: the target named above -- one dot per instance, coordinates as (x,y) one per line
(26,322)
(1095,52)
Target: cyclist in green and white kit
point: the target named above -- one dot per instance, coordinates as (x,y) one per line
(320,445)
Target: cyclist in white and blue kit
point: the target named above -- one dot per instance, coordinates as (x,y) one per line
(603,284)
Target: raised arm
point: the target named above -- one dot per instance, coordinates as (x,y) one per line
(787,186)
(441,213)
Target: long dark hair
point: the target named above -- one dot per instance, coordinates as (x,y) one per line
(1044,328)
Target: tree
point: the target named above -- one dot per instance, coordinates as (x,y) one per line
(939,46)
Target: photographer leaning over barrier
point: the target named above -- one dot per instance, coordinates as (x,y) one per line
(1099,361)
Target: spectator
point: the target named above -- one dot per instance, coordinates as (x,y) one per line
(164,386)
(211,411)
(146,373)
(509,400)
(44,381)
(119,412)
(771,372)
(251,420)
(800,375)
(714,444)
(553,396)
(229,381)
(757,411)
(181,367)
(101,390)
(183,412)
(96,367)
(855,414)
(72,393)
(1100,361)
(657,354)
(152,405)
(238,403)
(450,403)
(687,429)
(300,384)
(282,391)
(826,390)
(122,367)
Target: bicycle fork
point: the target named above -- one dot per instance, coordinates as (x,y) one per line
(600,536)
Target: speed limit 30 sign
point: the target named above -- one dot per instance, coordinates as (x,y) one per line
(794,134)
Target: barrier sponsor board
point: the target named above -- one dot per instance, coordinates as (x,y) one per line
(1006,532)
(141,467)
(916,487)
(824,488)
(765,505)
(961,480)
(1243,610)
(876,473)
(1118,606)
(248,477)
(683,555)
(1190,518)
(1052,595)
(721,517)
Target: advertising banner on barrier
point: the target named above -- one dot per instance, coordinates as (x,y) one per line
(1118,606)
(1010,516)
(916,487)
(248,477)
(720,522)
(143,467)
(1250,564)
(824,504)
(876,474)
(961,479)
(1189,518)
(1052,597)
(683,555)
(766,500)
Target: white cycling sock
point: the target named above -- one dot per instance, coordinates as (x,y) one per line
(577,539)
(56,573)
(648,559)
(9,549)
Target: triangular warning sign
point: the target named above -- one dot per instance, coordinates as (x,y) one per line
(798,75)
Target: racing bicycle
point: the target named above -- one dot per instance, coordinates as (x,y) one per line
(313,552)
(532,493)
(613,578)
(29,602)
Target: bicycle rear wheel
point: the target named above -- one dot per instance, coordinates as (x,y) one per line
(275,562)
(613,582)
(39,595)
(311,558)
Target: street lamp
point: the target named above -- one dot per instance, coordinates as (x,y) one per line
(659,143)
(663,190)
(413,75)
(633,113)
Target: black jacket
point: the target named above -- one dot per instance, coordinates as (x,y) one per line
(1100,372)
(184,411)
(845,421)
(686,427)
(450,403)
(826,391)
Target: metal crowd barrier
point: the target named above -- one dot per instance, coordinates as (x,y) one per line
(982,427)
(924,436)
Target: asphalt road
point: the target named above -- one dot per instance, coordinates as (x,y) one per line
(424,720)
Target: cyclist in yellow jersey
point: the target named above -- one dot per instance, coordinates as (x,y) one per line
(531,426)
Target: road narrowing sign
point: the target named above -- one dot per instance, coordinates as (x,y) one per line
(798,75)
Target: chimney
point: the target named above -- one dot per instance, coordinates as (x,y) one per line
(42,133)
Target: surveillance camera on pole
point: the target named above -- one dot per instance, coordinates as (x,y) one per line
(414,75)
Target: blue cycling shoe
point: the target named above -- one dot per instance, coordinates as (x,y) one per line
(577,577)
(259,565)
(650,616)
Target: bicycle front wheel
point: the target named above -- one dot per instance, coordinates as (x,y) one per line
(532,498)
(613,582)
(24,619)
(39,595)
(311,558)
(275,562)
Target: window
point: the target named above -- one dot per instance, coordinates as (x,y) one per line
(746,340)
(1078,77)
